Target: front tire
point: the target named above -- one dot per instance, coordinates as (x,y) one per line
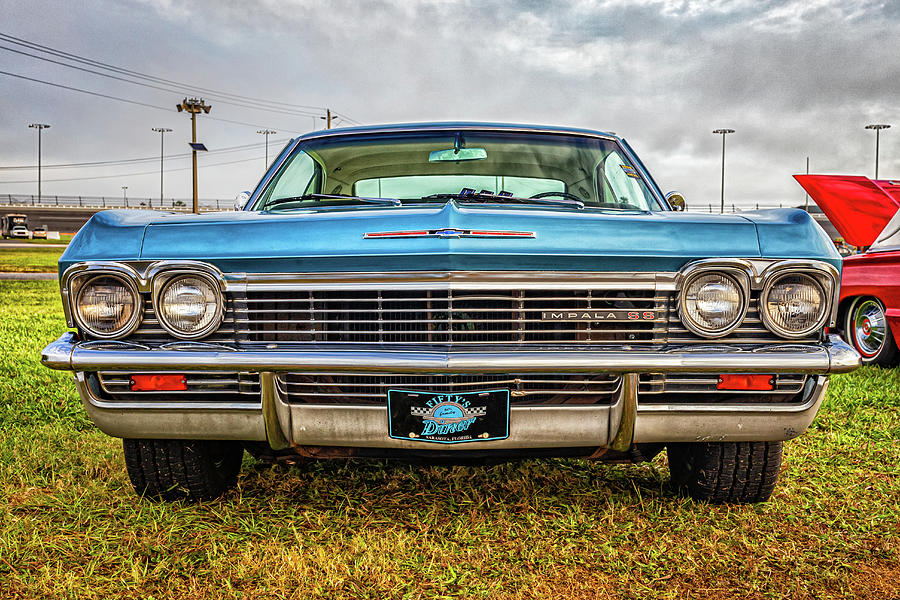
(867,328)
(725,472)
(182,469)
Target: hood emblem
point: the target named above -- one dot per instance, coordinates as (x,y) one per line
(449,233)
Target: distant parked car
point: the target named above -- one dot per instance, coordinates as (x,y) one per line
(452,290)
(19,231)
(40,232)
(867,213)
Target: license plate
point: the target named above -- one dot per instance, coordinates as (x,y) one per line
(448,418)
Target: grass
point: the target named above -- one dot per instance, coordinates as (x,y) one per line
(71,526)
(40,259)
(64,238)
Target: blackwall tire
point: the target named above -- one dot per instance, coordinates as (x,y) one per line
(866,327)
(182,469)
(725,472)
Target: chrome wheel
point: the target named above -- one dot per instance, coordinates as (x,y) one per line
(867,328)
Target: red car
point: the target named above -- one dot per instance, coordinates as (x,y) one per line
(867,213)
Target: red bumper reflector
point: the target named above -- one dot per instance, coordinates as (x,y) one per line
(746,382)
(158,383)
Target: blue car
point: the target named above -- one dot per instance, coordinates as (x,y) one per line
(452,291)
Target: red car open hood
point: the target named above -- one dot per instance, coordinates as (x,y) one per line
(858,207)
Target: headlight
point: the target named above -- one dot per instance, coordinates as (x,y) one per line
(793,305)
(107,306)
(712,304)
(189,306)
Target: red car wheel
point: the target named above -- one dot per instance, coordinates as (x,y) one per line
(868,330)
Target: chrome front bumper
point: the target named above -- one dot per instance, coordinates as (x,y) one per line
(617,426)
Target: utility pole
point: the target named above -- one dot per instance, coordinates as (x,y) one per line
(877,127)
(328,116)
(267,132)
(40,127)
(162,131)
(124,194)
(724,132)
(194,107)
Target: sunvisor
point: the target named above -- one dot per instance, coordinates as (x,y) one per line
(858,207)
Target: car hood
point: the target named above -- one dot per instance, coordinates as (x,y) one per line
(334,239)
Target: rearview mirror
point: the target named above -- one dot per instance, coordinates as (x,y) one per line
(457,154)
(240,201)
(676,201)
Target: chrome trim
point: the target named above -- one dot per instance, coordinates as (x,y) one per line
(162,279)
(771,281)
(276,435)
(733,423)
(621,433)
(78,283)
(439,127)
(173,420)
(739,277)
(833,356)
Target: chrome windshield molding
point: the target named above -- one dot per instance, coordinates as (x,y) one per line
(833,356)
(286,153)
(632,280)
(442,127)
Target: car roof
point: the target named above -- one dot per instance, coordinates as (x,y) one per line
(456,126)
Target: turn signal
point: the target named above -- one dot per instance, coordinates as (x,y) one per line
(158,383)
(746,382)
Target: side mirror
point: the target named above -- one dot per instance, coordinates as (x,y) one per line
(240,201)
(676,201)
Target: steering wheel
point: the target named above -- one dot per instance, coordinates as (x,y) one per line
(563,194)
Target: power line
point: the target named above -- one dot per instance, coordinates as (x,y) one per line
(124,161)
(110,97)
(157,87)
(95,63)
(121,175)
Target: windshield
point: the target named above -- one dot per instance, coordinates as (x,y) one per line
(482,166)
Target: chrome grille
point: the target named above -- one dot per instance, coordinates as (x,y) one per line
(447,316)
(525,389)
(700,388)
(151,331)
(201,385)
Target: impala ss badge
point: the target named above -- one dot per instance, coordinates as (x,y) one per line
(599,315)
(449,233)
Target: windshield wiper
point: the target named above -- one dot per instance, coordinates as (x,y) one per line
(276,202)
(485,196)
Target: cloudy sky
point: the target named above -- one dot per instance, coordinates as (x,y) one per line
(793,78)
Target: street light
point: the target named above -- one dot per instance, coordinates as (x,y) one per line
(267,132)
(40,127)
(724,132)
(124,196)
(194,106)
(877,127)
(162,131)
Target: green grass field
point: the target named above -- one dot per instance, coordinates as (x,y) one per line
(40,259)
(71,526)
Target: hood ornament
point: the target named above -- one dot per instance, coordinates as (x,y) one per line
(449,233)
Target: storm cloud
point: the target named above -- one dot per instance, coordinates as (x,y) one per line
(794,79)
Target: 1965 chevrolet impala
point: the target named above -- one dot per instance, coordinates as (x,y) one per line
(452,291)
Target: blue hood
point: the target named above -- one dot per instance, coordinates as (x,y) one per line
(331,239)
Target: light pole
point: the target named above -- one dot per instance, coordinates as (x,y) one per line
(162,131)
(724,132)
(877,127)
(194,106)
(267,132)
(40,127)
(124,195)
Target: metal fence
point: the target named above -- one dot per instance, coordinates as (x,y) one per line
(101,202)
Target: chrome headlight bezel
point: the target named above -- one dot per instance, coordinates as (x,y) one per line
(741,282)
(163,280)
(773,279)
(78,285)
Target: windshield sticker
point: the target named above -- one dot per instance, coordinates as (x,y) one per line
(630,171)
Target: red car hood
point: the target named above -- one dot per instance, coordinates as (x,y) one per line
(858,207)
